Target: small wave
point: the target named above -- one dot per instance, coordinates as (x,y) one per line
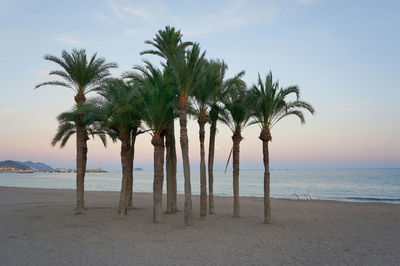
(373,199)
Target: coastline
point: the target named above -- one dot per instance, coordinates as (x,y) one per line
(194,194)
(40,224)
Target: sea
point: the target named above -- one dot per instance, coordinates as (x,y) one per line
(362,185)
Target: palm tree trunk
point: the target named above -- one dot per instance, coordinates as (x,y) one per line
(81,158)
(267,202)
(158,143)
(171,168)
(203,178)
(183,108)
(265,136)
(126,163)
(237,138)
(211,149)
(130,176)
(174,171)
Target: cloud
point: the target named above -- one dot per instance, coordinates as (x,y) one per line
(306,2)
(124,10)
(139,12)
(102,17)
(115,8)
(232,16)
(135,18)
(68,40)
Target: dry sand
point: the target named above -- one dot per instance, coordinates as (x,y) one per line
(38,227)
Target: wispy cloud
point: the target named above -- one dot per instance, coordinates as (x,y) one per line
(124,10)
(139,12)
(116,9)
(138,17)
(68,40)
(234,15)
(306,2)
(102,17)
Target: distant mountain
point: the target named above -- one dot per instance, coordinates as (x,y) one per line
(25,165)
(38,166)
(14,164)
(138,169)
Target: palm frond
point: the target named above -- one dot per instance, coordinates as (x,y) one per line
(56,83)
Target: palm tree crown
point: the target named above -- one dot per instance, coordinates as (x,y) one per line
(219,94)
(187,66)
(271,104)
(237,111)
(204,93)
(166,42)
(79,74)
(157,96)
(121,108)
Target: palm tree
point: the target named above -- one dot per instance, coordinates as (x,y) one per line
(166,42)
(215,108)
(237,113)
(187,68)
(202,95)
(122,121)
(157,113)
(271,104)
(82,76)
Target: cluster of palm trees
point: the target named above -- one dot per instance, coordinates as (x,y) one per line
(148,99)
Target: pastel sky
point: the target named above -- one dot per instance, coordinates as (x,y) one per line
(344,55)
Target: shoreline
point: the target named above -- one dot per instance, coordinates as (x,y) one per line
(369,200)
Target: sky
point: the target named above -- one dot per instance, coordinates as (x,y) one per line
(344,56)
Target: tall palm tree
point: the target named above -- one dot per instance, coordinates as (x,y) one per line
(237,113)
(122,119)
(271,104)
(187,68)
(158,100)
(165,43)
(215,108)
(200,109)
(82,75)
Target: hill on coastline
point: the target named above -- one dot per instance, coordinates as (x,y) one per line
(13,164)
(38,166)
(29,165)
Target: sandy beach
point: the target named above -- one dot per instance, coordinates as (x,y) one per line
(38,227)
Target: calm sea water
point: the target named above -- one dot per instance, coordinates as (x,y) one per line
(344,185)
